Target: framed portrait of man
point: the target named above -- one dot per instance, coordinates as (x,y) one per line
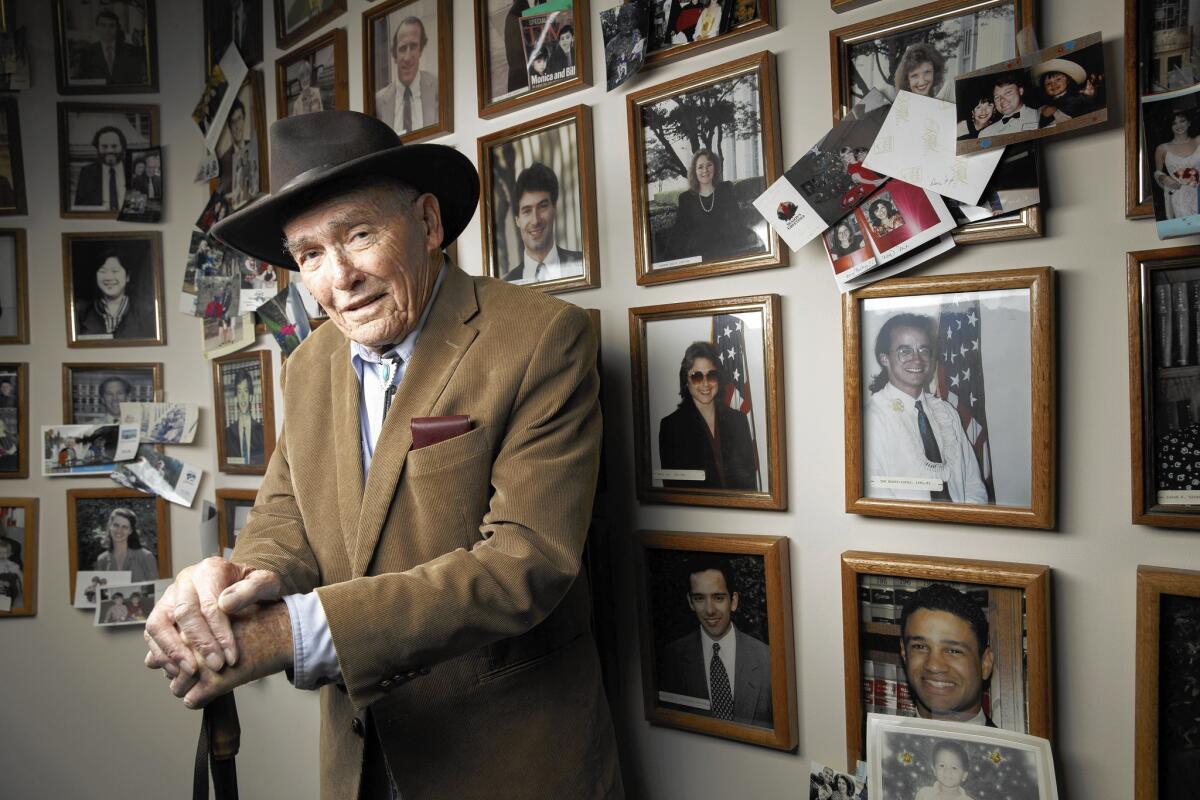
(236,22)
(118,529)
(244,401)
(701,148)
(313,77)
(106,48)
(945,639)
(14,287)
(233,510)
(922,50)
(950,398)
(539,203)
(114,289)
(18,556)
(12,160)
(1166,717)
(93,392)
(296,19)
(716,634)
(14,420)
(708,403)
(92,141)
(407,74)
(241,153)
(682,28)
(525,54)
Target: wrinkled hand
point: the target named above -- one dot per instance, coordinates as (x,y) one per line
(191,623)
(263,634)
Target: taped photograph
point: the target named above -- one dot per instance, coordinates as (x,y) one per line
(92,141)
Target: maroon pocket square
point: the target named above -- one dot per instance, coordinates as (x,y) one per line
(431,430)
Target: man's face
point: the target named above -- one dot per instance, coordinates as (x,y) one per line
(153,165)
(565,41)
(112,394)
(535,220)
(369,262)
(1007,97)
(711,601)
(108,148)
(243,397)
(407,53)
(107,29)
(909,361)
(943,664)
(1055,83)
(6,389)
(237,124)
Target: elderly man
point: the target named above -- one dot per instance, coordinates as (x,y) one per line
(410,102)
(415,545)
(535,214)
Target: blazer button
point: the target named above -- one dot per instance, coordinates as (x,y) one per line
(356,725)
(423,670)
(385,683)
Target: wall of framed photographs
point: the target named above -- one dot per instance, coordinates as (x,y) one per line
(90,682)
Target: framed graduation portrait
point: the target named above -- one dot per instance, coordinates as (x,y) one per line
(905,618)
(524,54)
(922,50)
(296,19)
(539,203)
(12,160)
(105,49)
(92,392)
(313,77)
(701,148)
(682,28)
(14,420)
(716,634)
(92,141)
(14,287)
(708,403)
(949,386)
(232,22)
(118,529)
(407,67)
(18,556)
(113,286)
(245,412)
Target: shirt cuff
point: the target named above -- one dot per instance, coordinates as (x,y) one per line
(316,660)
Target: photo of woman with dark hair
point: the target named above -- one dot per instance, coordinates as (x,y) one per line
(883,216)
(112,313)
(1177,168)
(983,113)
(710,221)
(845,238)
(123,549)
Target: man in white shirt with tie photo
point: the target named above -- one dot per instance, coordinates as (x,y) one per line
(410,102)
(535,214)
(101,184)
(244,433)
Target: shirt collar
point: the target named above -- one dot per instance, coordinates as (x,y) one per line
(892,394)
(361,353)
(551,260)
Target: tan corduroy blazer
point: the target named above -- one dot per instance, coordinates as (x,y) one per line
(449,576)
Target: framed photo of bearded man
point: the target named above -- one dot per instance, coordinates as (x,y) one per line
(950,397)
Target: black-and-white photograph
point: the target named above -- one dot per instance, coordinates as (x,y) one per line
(11,435)
(14,551)
(827,783)
(295,19)
(236,22)
(12,167)
(406,47)
(624,28)
(313,77)
(118,529)
(240,156)
(1178,706)
(14,301)
(93,393)
(246,421)
(947,397)
(144,194)
(924,766)
(105,48)
(93,139)
(113,289)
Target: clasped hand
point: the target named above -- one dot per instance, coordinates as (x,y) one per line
(218,626)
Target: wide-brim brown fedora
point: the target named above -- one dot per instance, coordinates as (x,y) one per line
(310,151)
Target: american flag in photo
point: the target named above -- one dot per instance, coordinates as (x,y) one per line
(730,340)
(960,379)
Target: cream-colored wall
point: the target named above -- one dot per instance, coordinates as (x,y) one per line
(82,717)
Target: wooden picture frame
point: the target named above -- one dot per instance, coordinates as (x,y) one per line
(228,372)
(1139,43)
(88,399)
(85,546)
(83,66)
(377,38)
(14,284)
(1018,688)
(975,451)
(694,247)
(136,258)
(496,35)
(14,418)
(335,95)
(219,33)
(677,567)
(297,22)
(12,197)
(1160,385)
(549,159)
(236,196)
(228,501)
(1021,224)
(763,21)
(89,134)
(1168,601)
(753,438)
(20,534)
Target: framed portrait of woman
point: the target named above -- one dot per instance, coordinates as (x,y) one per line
(949,387)
(524,54)
(539,203)
(295,19)
(12,160)
(245,412)
(93,392)
(313,77)
(708,403)
(407,74)
(18,556)
(904,617)
(14,287)
(233,509)
(682,28)
(92,141)
(113,286)
(701,148)
(118,529)
(105,49)
(14,420)
(708,600)
(922,50)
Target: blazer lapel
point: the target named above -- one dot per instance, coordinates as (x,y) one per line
(745,694)
(441,345)
(347,432)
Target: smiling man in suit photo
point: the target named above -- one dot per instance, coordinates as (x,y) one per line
(410,102)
